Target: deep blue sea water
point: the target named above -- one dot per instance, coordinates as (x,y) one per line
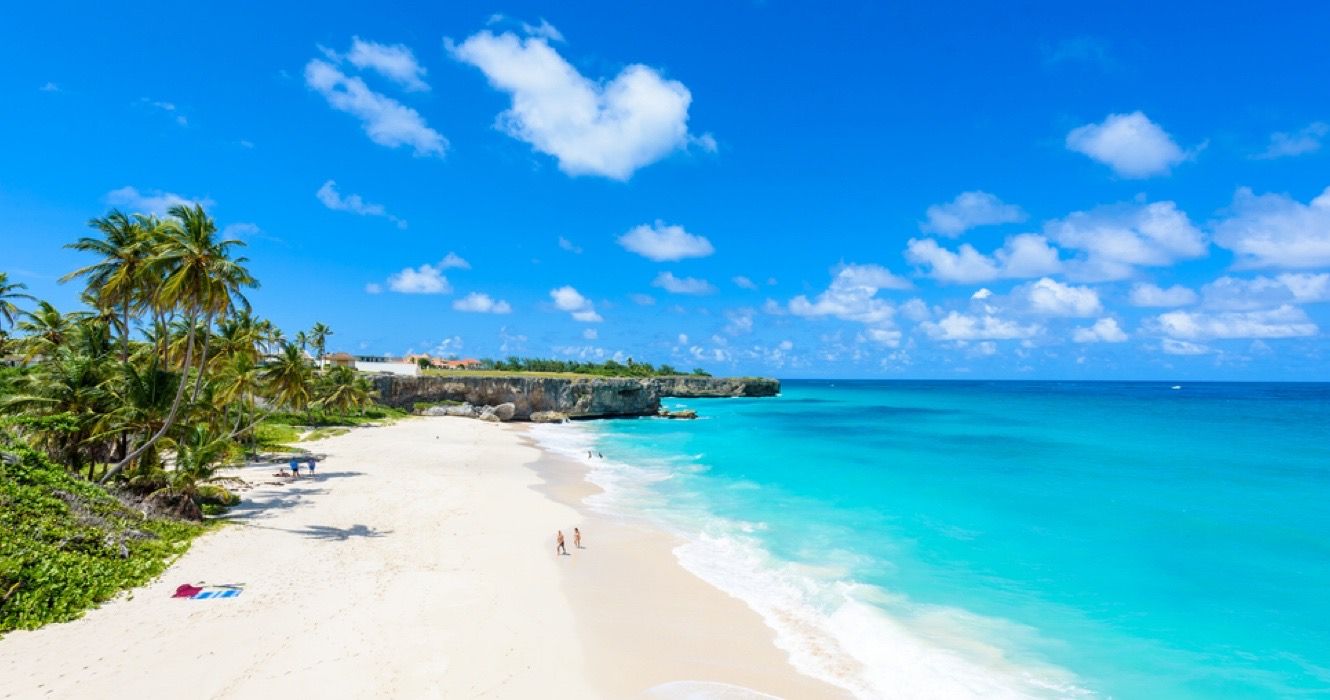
(945,539)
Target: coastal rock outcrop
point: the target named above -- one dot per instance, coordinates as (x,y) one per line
(694,387)
(520,397)
(548,417)
(589,397)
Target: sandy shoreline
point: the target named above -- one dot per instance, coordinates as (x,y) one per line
(418,563)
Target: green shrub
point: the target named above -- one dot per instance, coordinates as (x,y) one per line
(67,544)
(214,495)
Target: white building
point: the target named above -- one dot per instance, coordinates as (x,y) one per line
(375,364)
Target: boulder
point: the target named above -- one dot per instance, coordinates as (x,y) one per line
(549,417)
(505,411)
(685,414)
(489,418)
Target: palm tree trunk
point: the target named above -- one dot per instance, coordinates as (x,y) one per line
(203,364)
(124,338)
(170,416)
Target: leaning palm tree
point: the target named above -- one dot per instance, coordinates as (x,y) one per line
(318,336)
(9,291)
(200,280)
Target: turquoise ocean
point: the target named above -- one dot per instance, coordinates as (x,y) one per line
(1004,539)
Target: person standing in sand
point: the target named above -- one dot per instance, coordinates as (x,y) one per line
(559,548)
(577,538)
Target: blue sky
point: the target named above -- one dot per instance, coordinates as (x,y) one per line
(951,190)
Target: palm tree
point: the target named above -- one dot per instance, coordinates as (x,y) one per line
(200,280)
(340,391)
(239,384)
(46,331)
(302,339)
(198,454)
(116,281)
(67,396)
(319,338)
(288,379)
(8,292)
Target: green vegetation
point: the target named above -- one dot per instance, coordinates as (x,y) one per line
(67,544)
(321,433)
(133,403)
(608,368)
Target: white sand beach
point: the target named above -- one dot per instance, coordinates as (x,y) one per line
(418,563)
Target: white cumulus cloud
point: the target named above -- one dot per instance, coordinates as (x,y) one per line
(1149,294)
(665,243)
(1305,140)
(567,298)
(1105,330)
(969,210)
(1238,294)
(1130,144)
(958,326)
(394,61)
(479,303)
(682,285)
(353,203)
(1114,240)
(743,282)
(1275,230)
(386,121)
(426,279)
(154,202)
(1023,255)
(454,260)
(852,295)
(1286,321)
(1052,298)
(1182,347)
(608,128)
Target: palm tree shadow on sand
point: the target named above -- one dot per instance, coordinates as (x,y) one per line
(340,534)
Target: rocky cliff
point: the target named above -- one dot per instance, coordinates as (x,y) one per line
(581,397)
(692,387)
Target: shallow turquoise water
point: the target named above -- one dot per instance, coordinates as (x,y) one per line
(1137,540)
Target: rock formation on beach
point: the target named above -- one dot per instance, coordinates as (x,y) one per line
(550,399)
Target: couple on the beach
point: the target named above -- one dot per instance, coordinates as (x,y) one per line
(559,548)
(295,467)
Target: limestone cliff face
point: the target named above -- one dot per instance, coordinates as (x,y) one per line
(692,387)
(592,397)
(581,397)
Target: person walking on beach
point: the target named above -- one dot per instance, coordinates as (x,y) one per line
(310,465)
(560,549)
(295,468)
(577,538)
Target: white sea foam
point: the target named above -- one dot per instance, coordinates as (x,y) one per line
(831,628)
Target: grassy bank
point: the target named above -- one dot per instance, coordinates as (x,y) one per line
(67,545)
